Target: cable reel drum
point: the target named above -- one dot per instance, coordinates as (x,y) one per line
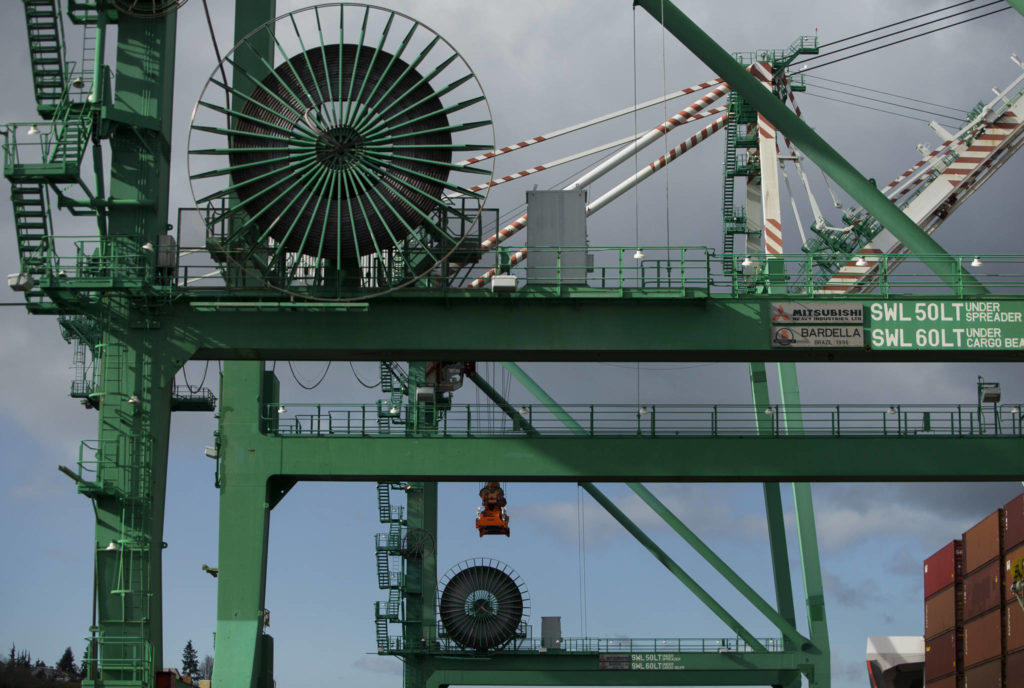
(332,164)
(483,605)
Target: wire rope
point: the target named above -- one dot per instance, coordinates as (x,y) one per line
(316,384)
(882,101)
(359,379)
(902,40)
(184,374)
(902,21)
(884,93)
(868,107)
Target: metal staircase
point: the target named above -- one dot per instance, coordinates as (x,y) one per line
(33,230)
(390,574)
(47,53)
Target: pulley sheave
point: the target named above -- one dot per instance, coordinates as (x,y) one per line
(482,604)
(324,144)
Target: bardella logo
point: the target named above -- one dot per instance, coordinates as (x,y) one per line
(784,336)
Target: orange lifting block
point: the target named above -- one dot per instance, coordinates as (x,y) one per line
(491,517)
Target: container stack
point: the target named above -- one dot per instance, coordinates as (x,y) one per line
(943,617)
(983,603)
(1013,543)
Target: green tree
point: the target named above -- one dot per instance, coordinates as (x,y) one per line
(190,660)
(67,663)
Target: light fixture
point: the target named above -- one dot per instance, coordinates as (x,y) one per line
(644,410)
(134,399)
(33,130)
(211,452)
(147,247)
(861,262)
(746,262)
(639,255)
(976,263)
(281,409)
(77,82)
(61,273)
(523,410)
(393,411)
(111,547)
(769,411)
(891,410)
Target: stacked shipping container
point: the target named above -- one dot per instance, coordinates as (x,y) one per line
(943,617)
(983,604)
(1013,615)
(973,624)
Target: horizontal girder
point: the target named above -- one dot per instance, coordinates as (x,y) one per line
(643,459)
(491,327)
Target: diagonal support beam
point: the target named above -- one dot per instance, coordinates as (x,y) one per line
(1017,5)
(815,147)
(672,566)
(788,630)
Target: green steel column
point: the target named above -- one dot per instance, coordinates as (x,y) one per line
(246,390)
(420,629)
(811,144)
(780,567)
(660,554)
(420,589)
(807,537)
(140,148)
(128,491)
(137,367)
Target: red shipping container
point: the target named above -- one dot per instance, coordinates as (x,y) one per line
(981,542)
(940,612)
(941,569)
(983,638)
(948,682)
(1014,628)
(1015,670)
(940,657)
(982,591)
(1015,553)
(988,675)
(1013,522)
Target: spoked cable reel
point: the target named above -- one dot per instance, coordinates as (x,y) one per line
(483,605)
(323,152)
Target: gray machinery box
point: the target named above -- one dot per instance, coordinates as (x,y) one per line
(556,237)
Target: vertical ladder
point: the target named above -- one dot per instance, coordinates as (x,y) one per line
(46,52)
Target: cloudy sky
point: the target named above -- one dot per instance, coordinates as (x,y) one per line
(544,65)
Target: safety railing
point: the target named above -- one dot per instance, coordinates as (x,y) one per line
(665,420)
(664,647)
(795,274)
(676,272)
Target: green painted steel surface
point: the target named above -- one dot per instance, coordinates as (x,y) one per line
(604,329)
